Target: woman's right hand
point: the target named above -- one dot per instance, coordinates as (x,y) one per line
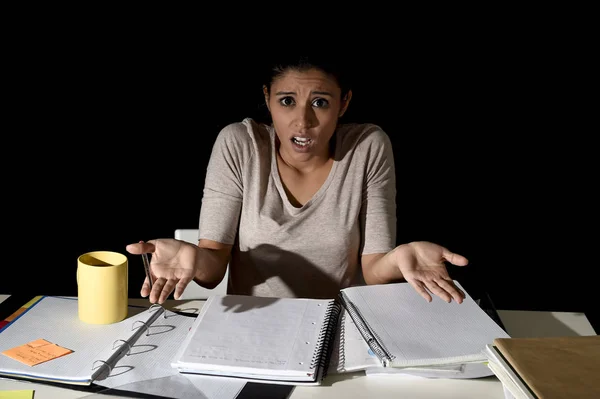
(172,266)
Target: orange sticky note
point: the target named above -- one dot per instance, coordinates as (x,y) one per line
(36,352)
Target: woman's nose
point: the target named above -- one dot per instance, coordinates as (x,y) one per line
(305,118)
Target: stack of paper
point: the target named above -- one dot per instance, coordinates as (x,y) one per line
(263,339)
(390,329)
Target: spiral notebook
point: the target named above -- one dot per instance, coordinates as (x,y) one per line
(135,349)
(399,329)
(274,340)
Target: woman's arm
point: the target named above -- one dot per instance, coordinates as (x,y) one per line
(212,263)
(379,269)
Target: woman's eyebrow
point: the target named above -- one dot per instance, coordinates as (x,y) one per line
(287,93)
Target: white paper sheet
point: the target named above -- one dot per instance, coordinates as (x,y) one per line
(254,337)
(420,333)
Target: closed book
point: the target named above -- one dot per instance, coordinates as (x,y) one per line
(555,367)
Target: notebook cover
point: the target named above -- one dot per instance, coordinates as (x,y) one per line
(556,367)
(17,313)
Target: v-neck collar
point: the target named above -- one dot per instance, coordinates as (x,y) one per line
(279,184)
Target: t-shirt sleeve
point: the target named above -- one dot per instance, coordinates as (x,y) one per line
(378,210)
(223,185)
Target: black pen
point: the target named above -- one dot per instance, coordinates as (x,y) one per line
(147,268)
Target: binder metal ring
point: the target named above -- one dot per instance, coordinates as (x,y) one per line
(103,362)
(144,324)
(157,306)
(124,343)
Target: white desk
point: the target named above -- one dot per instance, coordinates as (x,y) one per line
(357,385)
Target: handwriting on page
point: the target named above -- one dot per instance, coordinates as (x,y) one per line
(263,337)
(36,352)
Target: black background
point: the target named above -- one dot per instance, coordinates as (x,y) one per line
(111,140)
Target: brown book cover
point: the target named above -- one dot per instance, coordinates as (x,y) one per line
(556,367)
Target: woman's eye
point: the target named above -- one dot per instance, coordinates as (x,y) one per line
(320,103)
(286,101)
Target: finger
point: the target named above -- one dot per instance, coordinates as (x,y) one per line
(145,288)
(157,288)
(439,291)
(166,291)
(141,247)
(457,294)
(418,286)
(455,259)
(181,286)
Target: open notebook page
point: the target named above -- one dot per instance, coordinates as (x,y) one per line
(421,333)
(351,353)
(149,359)
(255,337)
(150,356)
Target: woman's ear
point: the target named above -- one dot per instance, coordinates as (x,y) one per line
(266,94)
(345,103)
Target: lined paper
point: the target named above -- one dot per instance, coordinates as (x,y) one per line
(421,333)
(255,336)
(350,351)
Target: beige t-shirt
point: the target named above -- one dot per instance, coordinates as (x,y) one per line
(313,251)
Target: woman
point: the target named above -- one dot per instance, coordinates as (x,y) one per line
(302,207)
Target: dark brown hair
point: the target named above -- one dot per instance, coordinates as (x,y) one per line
(329,65)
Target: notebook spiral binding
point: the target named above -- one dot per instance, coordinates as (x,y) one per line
(342,342)
(371,337)
(324,347)
(118,348)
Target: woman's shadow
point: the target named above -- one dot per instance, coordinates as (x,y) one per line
(302,279)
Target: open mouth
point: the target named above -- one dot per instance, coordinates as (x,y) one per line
(301,141)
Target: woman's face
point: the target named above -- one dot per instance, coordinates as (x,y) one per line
(305,107)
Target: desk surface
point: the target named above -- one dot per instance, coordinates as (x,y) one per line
(357,385)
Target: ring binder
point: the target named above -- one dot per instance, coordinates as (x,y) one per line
(124,343)
(94,367)
(144,324)
(156,306)
(97,352)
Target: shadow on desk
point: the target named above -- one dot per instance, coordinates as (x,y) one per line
(541,324)
(178,386)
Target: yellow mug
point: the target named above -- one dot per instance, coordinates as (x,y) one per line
(102,287)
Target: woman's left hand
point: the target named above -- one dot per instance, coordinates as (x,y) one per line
(422,265)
